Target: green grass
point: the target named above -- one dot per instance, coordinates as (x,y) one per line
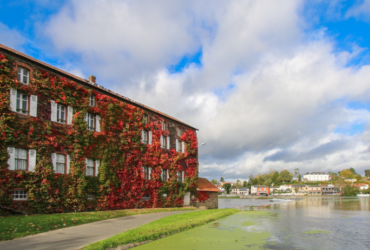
(165,226)
(20,226)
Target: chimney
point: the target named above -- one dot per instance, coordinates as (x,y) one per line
(92,79)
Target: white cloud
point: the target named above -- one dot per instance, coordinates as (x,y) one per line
(264,86)
(11,37)
(360,11)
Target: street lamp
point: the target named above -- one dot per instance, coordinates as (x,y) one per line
(203,144)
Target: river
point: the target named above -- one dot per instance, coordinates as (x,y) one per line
(307,223)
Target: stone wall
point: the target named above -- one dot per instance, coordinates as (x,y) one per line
(210,203)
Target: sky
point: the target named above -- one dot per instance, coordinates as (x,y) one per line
(269,84)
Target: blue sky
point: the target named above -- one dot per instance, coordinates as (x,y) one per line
(234,68)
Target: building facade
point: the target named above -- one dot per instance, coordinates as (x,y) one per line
(69,144)
(316,176)
(260,190)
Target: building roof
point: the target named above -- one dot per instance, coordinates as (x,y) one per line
(92,85)
(260,186)
(243,189)
(206,185)
(315,173)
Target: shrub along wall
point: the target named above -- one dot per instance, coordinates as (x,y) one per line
(120,181)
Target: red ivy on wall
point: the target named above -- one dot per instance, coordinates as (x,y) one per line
(120,183)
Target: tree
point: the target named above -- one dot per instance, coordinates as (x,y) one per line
(332,174)
(353,171)
(299,177)
(275,177)
(222,179)
(296,173)
(245,184)
(358,177)
(350,191)
(214,181)
(367,172)
(227,187)
(238,184)
(346,173)
(285,176)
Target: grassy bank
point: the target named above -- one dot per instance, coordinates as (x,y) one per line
(231,197)
(19,226)
(165,226)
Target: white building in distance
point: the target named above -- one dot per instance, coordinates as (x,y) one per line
(316,176)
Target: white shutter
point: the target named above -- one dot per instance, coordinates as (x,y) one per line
(54,161)
(53,112)
(11,158)
(97,165)
(70,115)
(149,173)
(168,174)
(183,147)
(68,163)
(98,123)
(142,136)
(143,171)
(183,176)
(33,105)
(168,142)
(13,100)
(150,137)
(177,146)
(161,140)
(31,160)
(87,119)
(161,174)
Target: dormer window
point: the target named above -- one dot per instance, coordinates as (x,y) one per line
(23,75)
(92,100)
(145,119)
(164,126)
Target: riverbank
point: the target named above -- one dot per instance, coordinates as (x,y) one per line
(24,225)
(162,227)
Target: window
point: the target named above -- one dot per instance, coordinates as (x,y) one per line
(90,196)
(92,100)
(22,103)
(179,131)
(145,119)
(179,176)
(146,173)
(61,164)
(90,167)
(20,195)
(164,126)
(23,75)
(20,159)
(164,174)
(145,136)
(90,122)
(146,197)
(61,113)
(164,142)
(178,146)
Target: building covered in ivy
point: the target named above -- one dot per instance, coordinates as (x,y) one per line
(68,143)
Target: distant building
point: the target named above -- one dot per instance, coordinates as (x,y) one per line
(240,191)
(207,194)
(260,190)
(314,190)
(361,186)
(316,176)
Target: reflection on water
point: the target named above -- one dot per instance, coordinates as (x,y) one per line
(331,222)
(243,203)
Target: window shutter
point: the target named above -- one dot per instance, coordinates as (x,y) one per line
(161,174)
(31,160)
(68,163)
(13,100)
(168,142)
(142,136)
(150,137)
(177,146)
(70,115)
(98,123)
(97,165)
(183,176)
(33,105)
(11,158)
(183,147)
(87,119)
(161,140)
(149,173)
(54,161)
(168,174)
(53,112)
(143,172)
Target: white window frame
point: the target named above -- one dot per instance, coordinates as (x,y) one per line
(179,131)
(179,176)
(145,119)
(18,158)
(164,141)
(59,114)
(58,164)
(164,126)
(179,146)
(20,195)
(146,197)
(90,119)
(145,136)
(92,101)
(21,75)
(146,172)
(90,197)
(90,164)
(164,174)
(20,103)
